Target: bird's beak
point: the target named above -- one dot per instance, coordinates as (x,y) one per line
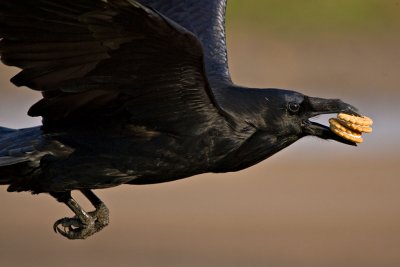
(318,106)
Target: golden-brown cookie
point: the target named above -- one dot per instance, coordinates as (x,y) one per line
(355,127)
(362,121)
(344,132)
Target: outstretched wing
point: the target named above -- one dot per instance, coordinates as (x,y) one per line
(205,19)
(94,58)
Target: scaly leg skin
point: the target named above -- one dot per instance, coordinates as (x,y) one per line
(84,224)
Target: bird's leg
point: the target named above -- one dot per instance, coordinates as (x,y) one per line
(101,212)
(83,224)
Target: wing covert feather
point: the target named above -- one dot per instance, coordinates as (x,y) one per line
(206,20)
(91,58)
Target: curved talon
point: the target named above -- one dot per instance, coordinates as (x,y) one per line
(84,224)
(69,227)
(74,228)
(67,222)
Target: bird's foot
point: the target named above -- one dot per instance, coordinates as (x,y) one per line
(81,228)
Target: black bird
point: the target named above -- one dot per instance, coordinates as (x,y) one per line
(135,92)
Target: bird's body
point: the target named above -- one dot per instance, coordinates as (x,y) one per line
(110,152)
(135,92)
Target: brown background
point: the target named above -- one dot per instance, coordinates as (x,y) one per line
(316,203)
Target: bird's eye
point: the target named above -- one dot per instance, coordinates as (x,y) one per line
(293,107)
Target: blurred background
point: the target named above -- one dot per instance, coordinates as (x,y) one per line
(316,203)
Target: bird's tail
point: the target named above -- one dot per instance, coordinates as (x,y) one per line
(16,147)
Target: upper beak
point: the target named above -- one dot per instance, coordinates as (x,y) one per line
(318,106)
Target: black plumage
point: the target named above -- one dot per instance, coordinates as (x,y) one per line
(135,92)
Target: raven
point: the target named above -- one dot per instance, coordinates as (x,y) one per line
(136,92)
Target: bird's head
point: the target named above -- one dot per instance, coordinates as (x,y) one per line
(288,114)
(272,119)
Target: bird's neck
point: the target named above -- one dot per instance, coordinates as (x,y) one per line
(255,149)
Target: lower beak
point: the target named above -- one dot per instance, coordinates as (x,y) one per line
(319,106)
